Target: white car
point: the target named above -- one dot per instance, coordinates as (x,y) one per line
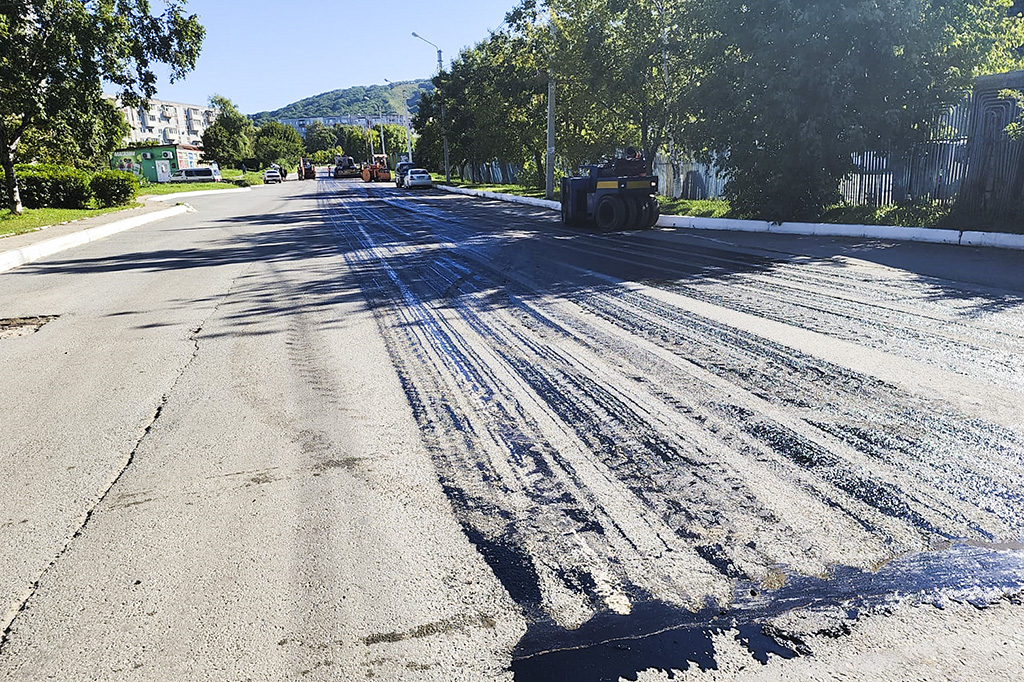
(200,174)
(418,177)
(271,175)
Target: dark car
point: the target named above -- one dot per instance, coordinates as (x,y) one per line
(401,170)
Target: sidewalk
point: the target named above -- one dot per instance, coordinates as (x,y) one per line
(1001,240)
(25,248)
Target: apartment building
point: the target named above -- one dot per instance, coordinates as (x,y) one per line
(169,123)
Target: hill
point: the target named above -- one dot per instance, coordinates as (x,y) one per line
(355,101)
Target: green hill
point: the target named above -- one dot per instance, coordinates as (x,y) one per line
(355,101)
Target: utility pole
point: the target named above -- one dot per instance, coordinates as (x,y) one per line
(549,162)
(444,115)
(405,122)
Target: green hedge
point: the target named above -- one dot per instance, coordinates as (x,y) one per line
(49,186)
(114,188)
(54,187)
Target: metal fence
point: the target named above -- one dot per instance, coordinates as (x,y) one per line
(935,169)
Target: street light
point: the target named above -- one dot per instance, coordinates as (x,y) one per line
(380,119)
(444,131)
(405,119)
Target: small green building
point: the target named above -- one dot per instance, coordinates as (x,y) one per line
(156,164)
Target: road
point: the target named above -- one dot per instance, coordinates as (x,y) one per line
(329,430)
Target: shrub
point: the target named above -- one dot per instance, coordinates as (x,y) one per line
(114,188)
(240,182)
(53,186)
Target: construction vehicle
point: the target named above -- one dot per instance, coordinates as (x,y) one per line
(376,170)
(346,167)
(307,171)
(615,195)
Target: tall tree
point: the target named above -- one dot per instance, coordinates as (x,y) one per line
(319,137)
(55,55)
(810,82)
(277,143)
(70,139)
(228,141)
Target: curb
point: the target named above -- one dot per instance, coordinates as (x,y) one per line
(16,257)
(511,198)
(1002,240)
(199,193)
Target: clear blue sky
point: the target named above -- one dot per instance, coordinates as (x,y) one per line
(264,54)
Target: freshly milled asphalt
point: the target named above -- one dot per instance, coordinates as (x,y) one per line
(329,431)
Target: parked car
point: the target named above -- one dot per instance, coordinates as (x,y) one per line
(271,175)
(401,169)
(201,174)
(417,177)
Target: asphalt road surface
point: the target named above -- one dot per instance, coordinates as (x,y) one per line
(336,431)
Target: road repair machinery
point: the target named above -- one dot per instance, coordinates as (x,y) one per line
(618,194)
(307,171)
(377,169)
(346,167)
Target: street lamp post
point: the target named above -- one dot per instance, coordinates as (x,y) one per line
(380,120)
(405,120)
(444,130)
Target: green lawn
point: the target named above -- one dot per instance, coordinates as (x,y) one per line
(700,208)
(175,187)
(254,177)
(518,190)
(35,218)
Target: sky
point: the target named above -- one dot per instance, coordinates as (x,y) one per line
(264,54)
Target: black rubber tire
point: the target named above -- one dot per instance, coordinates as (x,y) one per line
(653,213)
(633,212)
(610,213)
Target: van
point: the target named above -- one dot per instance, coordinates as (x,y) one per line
(201,174)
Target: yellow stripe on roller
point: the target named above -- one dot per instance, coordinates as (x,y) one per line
(639,184)
(607,184)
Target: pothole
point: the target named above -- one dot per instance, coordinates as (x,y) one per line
(22,326)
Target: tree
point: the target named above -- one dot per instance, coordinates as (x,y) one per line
(71,139)
(277,143)
(810,82)
(355,140)
(228,141)
(55,55)
(319,137)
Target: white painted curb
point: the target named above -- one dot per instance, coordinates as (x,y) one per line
(511,198)
(198,193)
(916,234)
(12,259)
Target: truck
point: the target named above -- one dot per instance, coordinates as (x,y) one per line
(306,171)
(376,169)
(345,167)
(615,195)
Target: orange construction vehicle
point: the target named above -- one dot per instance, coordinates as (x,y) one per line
(376,170)
(307,171)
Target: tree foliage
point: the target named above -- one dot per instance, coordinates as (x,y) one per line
(319,137)
(355,101)
(277,143)
(229,140)
(55,55)
(810,82)
(780,94)
(73,139)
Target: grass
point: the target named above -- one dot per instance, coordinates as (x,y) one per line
(229,175)
(253,177)
(175,187)
(700,208)
(518,190)
(35,218)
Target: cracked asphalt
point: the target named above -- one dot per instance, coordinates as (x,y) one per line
(327,431)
